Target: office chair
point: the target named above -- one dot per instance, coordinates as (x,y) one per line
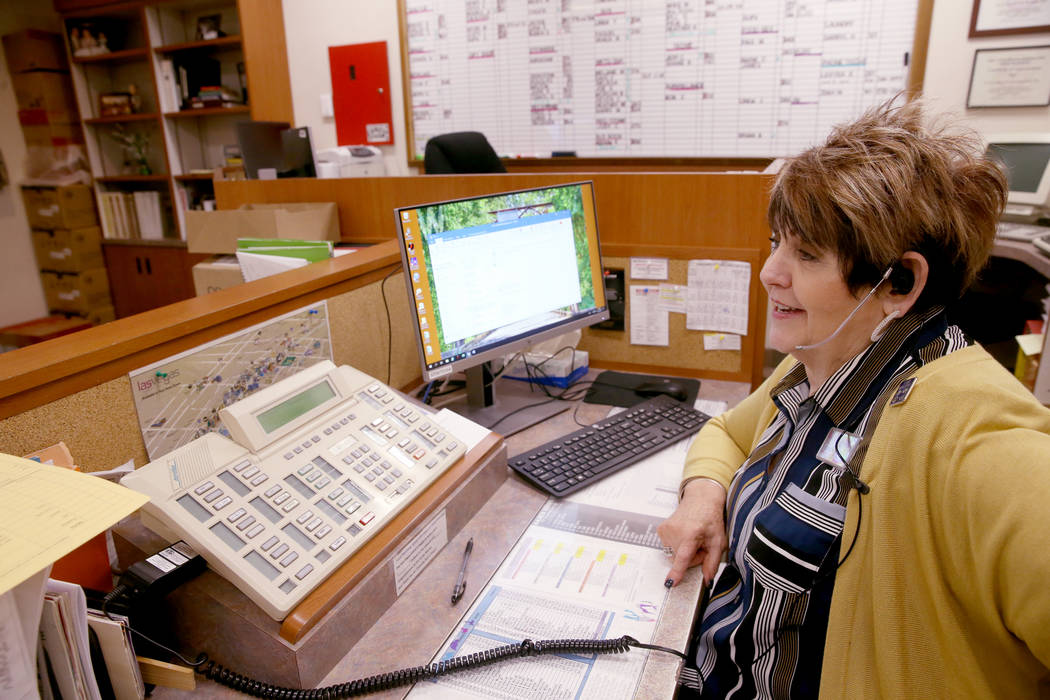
(461,152)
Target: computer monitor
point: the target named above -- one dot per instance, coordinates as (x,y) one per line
(262,147)
(298,151)
(1027,161)
(491,276)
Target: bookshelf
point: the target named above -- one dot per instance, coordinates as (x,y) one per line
(138,72)
(163,57)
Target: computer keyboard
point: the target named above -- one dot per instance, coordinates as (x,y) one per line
(573,461)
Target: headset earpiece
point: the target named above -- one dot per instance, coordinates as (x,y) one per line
(901,279)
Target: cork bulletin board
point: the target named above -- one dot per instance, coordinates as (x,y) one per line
(100,425)
(685,355)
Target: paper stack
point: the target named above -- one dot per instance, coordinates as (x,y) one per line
(262,257)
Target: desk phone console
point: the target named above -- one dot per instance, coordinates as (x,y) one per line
(318,463)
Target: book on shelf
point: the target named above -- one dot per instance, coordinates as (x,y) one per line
(147,211)
(127,215)
(215,96)
(169,87)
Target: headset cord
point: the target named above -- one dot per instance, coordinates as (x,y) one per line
(408,676)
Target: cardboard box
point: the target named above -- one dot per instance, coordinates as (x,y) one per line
(65,250)
(34,49)
(50,135)
(76,292)
(45,98)
(218,231)
(60,207)
(215,273)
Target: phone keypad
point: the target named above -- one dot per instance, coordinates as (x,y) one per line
(311,510)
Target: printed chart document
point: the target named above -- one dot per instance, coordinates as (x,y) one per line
(718,296)
(649,322)
(589,566)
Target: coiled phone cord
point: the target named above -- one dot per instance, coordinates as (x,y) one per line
(385,681)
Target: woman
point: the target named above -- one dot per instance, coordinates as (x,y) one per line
(884,495)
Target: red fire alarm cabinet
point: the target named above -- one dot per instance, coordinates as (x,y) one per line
(361,94)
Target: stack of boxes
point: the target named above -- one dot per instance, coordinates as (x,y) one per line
(68,244)
(65,228)
(47,107)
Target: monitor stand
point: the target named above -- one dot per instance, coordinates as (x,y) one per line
(513,408)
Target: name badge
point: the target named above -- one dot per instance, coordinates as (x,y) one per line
(838,448)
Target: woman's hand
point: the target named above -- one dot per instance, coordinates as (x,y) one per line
(696,530)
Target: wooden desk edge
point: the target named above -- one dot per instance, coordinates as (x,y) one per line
(318,603)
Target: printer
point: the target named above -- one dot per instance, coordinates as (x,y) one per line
(351,161)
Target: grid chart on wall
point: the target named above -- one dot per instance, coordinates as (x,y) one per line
(651,78)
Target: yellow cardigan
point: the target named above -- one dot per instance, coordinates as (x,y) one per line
(947,592)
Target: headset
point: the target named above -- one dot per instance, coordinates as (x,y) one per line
(901,281)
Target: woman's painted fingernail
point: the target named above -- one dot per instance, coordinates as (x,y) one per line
(668,583)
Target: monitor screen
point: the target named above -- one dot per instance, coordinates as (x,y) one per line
(1027,161)
(490,276)
(261,147)
(298,153)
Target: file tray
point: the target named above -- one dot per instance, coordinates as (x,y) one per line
(209,614)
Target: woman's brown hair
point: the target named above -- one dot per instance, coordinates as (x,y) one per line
(886,184)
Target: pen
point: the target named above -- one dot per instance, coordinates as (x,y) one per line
(461,580)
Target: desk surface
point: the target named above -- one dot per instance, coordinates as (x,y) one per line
(1022,251)
(416,625)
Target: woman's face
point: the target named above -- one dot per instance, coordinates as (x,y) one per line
(809,300)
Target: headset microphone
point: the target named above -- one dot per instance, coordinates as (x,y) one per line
(885,276)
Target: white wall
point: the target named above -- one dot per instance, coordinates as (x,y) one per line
(949,63)
(21,296)
(310,27)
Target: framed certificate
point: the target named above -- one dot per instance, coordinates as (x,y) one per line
(1001,17)
(1015,77)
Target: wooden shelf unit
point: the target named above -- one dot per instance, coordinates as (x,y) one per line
(120,118)
(148,38)
(113,57)
(223,42)
(207,112)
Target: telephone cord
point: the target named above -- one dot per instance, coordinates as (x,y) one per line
(385,681)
